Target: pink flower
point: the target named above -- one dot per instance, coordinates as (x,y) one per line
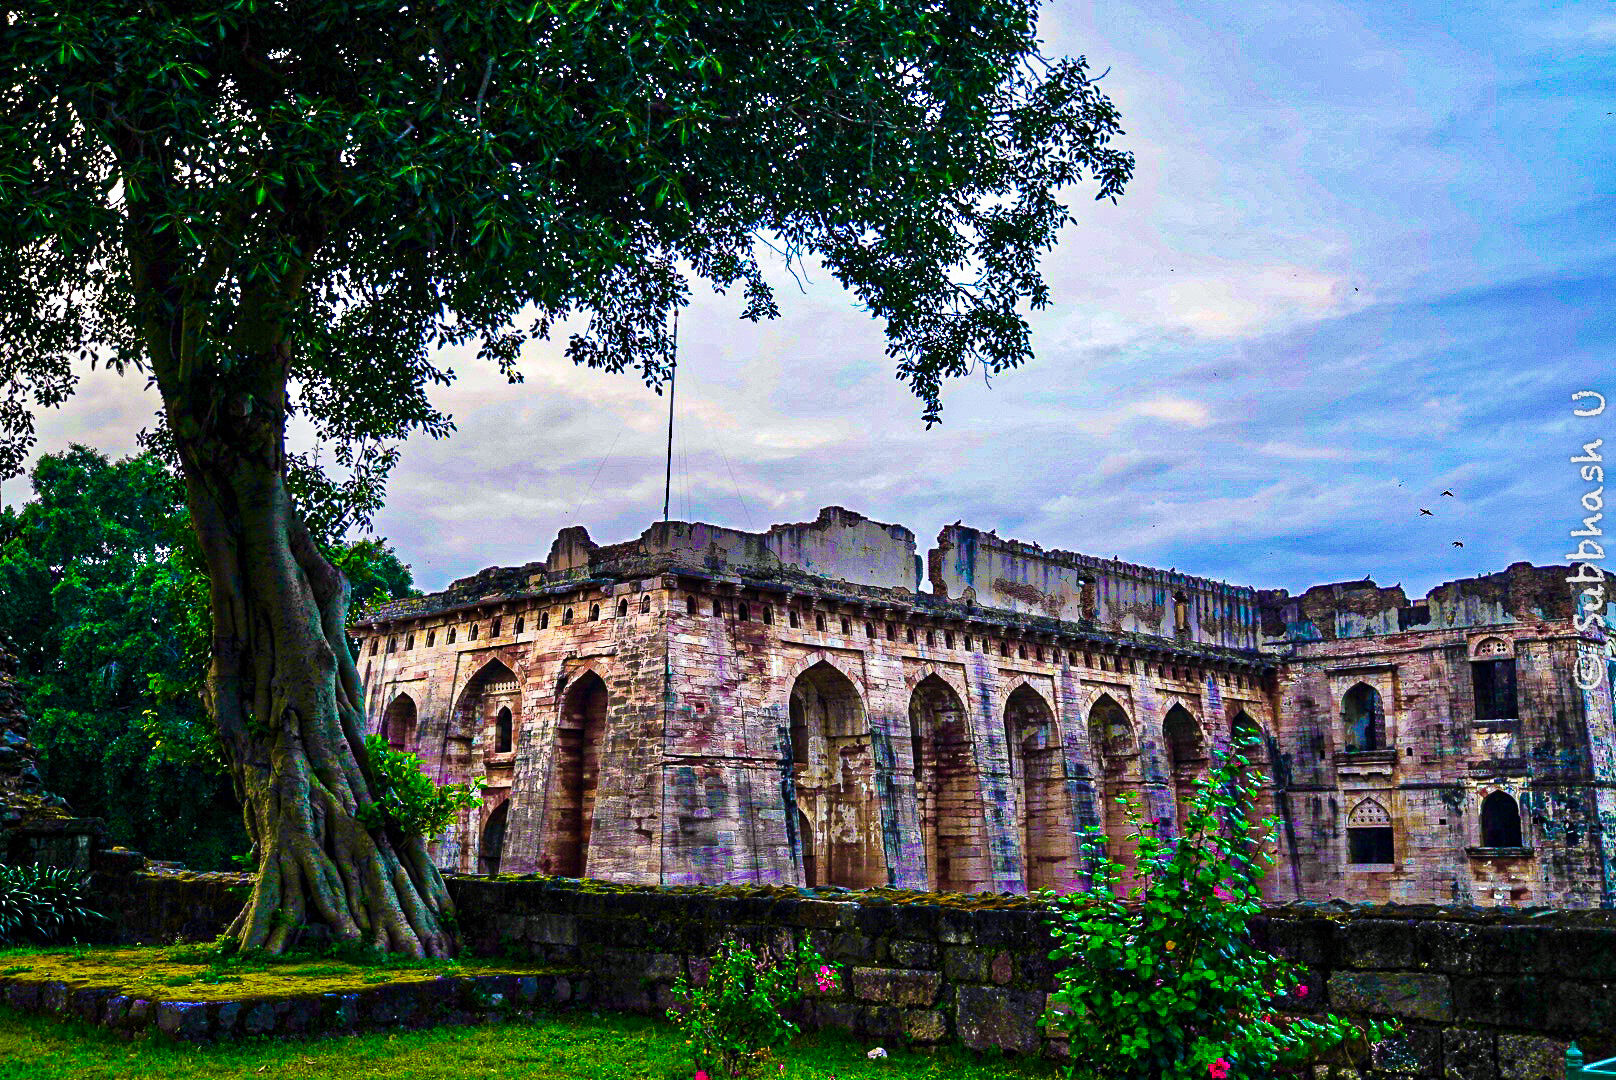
(1301,991)
(1221,893)
(701,1074)
(1218,1069)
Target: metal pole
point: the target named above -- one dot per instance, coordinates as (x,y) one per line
(673,374)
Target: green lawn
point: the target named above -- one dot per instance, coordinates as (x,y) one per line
(582,1045)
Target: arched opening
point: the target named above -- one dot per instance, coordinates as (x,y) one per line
(835,780)
(398,723)
(645,604)
(1500,821)
(947,790)
(493,840)
(1369,835)
(1038,774)
(491,691)
(1112,742)
(1181,614)
(1186,760)
(622,608)
(1363,719)
(805,836)
(502,731)
(569,812)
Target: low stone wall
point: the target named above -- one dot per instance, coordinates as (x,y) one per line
(449,999)
(161,907)
(1482,994)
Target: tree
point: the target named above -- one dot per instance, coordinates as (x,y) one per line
(279,205)
(104,596)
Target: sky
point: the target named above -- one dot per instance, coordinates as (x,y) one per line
(1367,256)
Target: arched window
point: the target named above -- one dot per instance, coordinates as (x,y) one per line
(718,606)
(847,625)
(502,732)
(521,621)
(431,636)
(1004,649)
(566,617)
(375,643)
(869,630)
(409,642)
(645,604)
(452,630)
(909,634)
(948,639)
(1181,613)
(1021,651)
(1369,835)
(544,620)
(892,632)
(690,605)
(793,619)
(473,635)
(819,622)
(493,840)
(967,642)
(743,613)
(1500,821)
(768,615)
(931,639)
(622,608)
(392,644)
(594,613)
(1363,719)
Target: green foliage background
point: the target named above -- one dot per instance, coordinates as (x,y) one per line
(104,601)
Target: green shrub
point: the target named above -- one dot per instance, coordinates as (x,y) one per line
(407,799)
(42,905)
(733,1019)
(1168,985)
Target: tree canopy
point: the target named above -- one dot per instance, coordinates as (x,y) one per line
(279,206)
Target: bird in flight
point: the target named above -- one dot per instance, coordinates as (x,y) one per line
(1448,493)
(1426,512)
(1457,544)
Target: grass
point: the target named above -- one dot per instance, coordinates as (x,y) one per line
(584,1046)
(198,973)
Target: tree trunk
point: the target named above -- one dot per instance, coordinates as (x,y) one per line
(284,689)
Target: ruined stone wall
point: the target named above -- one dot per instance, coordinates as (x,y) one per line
(1112,595)
(764,728)
(1439,753)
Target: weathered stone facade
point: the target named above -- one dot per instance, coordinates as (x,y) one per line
(707,705)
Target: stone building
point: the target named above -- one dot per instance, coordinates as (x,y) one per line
(816,704)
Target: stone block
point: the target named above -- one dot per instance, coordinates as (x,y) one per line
(1376,944)
(1411,996)
(1531,1057)
(551,929)
(896,986)
(183,1019)
(1001,968)
(917,922)
(912,954)
(955,927)
(993,1017)
(1524,1002)
(1414,1051)
(925,1026)
(1469,1054)
(966,963)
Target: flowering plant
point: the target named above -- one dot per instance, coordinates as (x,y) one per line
(734,1018)
(1166,982)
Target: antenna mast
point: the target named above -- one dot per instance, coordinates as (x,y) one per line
(673,374)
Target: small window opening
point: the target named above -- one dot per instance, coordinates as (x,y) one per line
(1500,821)
(392,644)
(948,639)
(473,635)
(847,625)
(1494,683)
(793,619)
(645,604)
(431,636)
(502,732)
(931,638)
(566,617)
(493,631)
(869,630)
(909,634)
(544,620)
(594,613)
(375,644)
(1369,834)
(1021,652)
(1181,613)
(718,606)
(453,630)
(521,623)
(1004,648)
(768,615)
(892,632)
(743,613)
(690,605)
(819,622)
(409,642)
(967,642)
(622,608)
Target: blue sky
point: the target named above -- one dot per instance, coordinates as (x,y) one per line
(1368,255)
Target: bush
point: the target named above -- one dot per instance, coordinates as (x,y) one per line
(407,799)
(43,905)
(1168,986)
(734,1018)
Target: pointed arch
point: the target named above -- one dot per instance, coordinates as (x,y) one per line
(1038,778)
(398,724)
(1370,835)
(1115,747)
(948,790)
(1363,719)
(471,733)
(502,730)
(569,810)
(1185,744)
(1501,821)
(834,773)
(491,844)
